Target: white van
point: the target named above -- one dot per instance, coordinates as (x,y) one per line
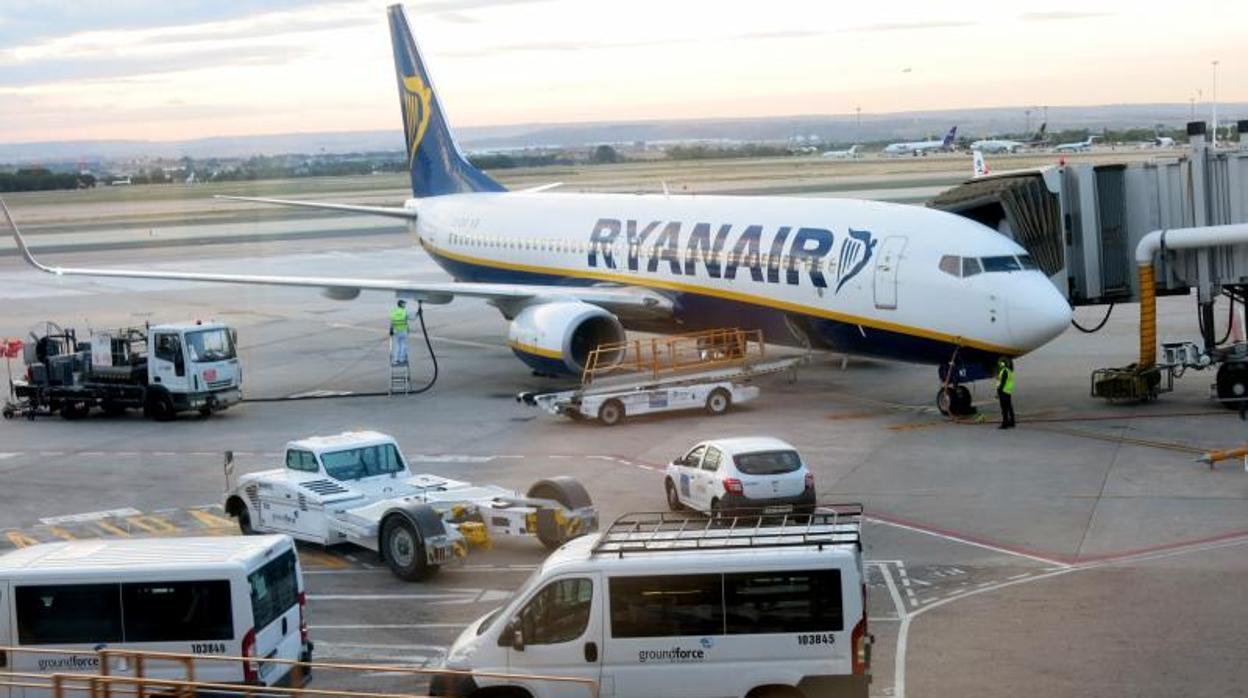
(665,605)
(228,597)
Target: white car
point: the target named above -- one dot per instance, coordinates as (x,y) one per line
(733,475)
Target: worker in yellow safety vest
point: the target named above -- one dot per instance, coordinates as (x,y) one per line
(398,334)
(1005,391)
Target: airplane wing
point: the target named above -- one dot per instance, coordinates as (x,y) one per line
(627,301)
(390,211)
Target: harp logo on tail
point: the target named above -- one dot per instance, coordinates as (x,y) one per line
(417,106)
(855,253)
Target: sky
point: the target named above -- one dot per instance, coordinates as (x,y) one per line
(185,69)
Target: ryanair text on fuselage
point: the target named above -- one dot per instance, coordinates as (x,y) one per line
(705,243)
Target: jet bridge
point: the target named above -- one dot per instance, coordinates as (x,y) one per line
(1083,223)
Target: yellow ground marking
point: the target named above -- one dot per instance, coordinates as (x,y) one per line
(61,533)
(152,524)
(20,539)
(211,520)
(322,559)
(112,529)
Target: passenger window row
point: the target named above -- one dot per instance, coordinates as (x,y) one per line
(130,612)
(964,267)
(642,251)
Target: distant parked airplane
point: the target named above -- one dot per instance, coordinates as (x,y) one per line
(923,147)
(848,154)
(1076,147)
(1001,145)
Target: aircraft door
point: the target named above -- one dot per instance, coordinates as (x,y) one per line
(886,264)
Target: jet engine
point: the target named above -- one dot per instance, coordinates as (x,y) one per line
(557,337)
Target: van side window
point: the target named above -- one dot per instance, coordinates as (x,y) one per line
(177,611)
(667,606)
(274,590)
(558,613)
(711,462)
(783,602)
(68,614)
(301,460)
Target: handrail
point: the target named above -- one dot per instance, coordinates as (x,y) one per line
(675,353)
(103,683)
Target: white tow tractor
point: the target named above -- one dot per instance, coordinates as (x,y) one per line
(356,487)
(707,370)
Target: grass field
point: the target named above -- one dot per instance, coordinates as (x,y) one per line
(810,176)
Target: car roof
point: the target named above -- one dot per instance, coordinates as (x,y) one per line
(140,553)
(578,555)
(346,439)
(750,444)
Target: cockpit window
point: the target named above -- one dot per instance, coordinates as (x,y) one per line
(1027,262)
(994,264)
(970,267)
(950,264)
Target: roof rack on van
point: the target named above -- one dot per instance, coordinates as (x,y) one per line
(661,531)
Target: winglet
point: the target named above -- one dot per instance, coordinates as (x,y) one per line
(21,242)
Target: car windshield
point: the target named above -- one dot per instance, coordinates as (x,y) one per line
(362,462)
(767,462)
(210,345)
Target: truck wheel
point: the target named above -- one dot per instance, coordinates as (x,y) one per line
(405,550)
(238,510)
(673,497)
(160,407)
(611,412)
(568,492)
(718,401)
(1232,385)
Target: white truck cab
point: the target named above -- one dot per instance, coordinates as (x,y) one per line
(356,487)
(196,363)
(663,605)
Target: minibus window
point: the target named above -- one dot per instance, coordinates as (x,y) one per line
(559,612)
(274,590)
(68,614)
(783,602)
(667,606)
(177,611)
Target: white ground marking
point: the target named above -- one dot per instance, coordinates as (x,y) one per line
(903,631)
(1057,564)
(90,516)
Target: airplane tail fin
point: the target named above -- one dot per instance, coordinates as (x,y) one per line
(979,167)
(949,137)
(437,165)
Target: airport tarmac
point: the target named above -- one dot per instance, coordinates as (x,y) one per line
(1083,553)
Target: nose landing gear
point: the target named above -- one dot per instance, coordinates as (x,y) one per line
(954,401)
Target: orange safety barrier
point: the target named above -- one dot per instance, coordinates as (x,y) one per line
(675,354)
(106,684)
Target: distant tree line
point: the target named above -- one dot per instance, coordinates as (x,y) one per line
(502,161)
(39,179)
(745,150)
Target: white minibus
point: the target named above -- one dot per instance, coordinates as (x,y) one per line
(224,597)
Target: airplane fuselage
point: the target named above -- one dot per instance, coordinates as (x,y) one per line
(855,276)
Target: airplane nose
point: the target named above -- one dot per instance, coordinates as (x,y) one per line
(1037,314)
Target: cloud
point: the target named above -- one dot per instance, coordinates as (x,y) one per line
(457,18)
(780,34)
(24,20)
(460,5)
(1060,15)
(912,26)
(73,69)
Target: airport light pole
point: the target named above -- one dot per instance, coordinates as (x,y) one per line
(1215,104)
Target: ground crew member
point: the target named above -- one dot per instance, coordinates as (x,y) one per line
(1005,391)
(398,334)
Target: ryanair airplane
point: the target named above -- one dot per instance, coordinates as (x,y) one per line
(572,271)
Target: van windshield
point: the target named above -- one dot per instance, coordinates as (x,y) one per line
(362,462)
(522,590)
(767,462)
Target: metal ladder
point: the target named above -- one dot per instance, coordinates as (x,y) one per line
(400,374)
